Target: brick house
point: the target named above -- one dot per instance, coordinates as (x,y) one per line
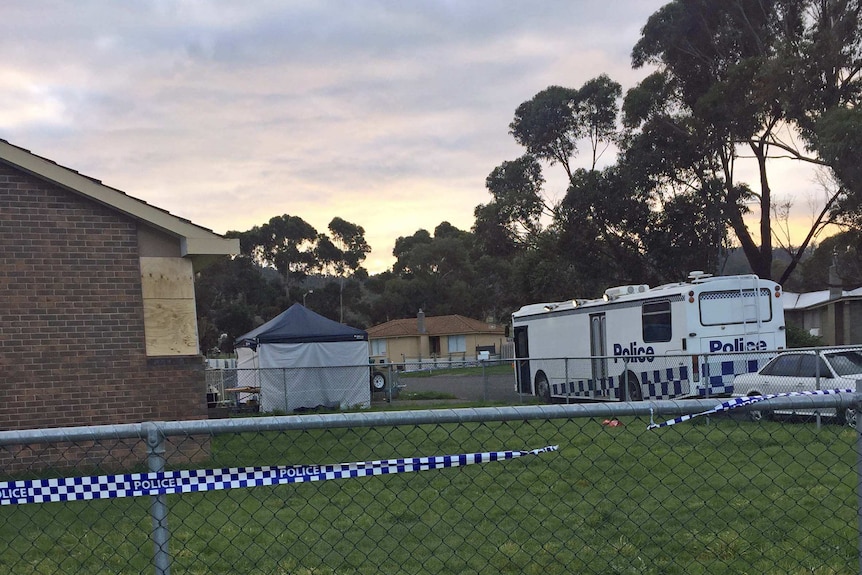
(97,306)
(833,314)
(434,338)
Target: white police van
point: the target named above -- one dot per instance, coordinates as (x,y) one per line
(687,339)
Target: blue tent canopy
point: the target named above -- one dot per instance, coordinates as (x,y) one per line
(298,324)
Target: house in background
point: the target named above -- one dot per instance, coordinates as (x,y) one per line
(834,314)
(435,338)
(97,302)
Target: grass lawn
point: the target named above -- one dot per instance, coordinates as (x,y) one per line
(723,497)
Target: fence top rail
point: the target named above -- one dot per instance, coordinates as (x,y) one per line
(144,430)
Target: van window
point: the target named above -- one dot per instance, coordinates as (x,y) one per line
(735,306)
(656,322)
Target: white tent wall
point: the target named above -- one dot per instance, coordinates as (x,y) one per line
(311,374)
(247,375)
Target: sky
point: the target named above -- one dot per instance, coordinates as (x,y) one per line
(388,114)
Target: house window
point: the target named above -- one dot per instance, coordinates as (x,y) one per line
(457,343)
(378,347)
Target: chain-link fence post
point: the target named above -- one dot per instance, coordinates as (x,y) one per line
(707,385)
(624,391)
(566,381)
(857,405)
(484,379)
(817,375)
(159,503)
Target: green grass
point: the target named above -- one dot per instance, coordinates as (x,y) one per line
(723,497)
(424,395)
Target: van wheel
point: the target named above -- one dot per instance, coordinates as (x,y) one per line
(543,388)
(633,391)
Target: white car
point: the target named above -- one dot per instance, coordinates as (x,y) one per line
(799,371)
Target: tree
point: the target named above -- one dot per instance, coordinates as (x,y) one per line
(350,240)
(437,272)
(839,139)
(734,76)
(843,250)
(551,124)
(346,252)
(518,204)
(410,257)
(230,295)
(286,243)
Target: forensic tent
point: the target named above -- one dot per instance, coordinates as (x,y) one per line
(301,359)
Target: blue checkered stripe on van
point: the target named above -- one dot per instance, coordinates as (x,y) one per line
(720,375)
(666,383)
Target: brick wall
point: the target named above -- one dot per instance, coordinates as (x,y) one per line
(72,348)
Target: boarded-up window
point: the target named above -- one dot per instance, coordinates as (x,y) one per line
(170,323)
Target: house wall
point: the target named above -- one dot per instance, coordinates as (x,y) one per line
(72,321)
(398,348)
(854,321)
(839,322)
(410,348)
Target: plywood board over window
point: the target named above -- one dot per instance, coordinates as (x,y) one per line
(168,291)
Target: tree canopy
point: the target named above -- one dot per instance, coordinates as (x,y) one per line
(656,183)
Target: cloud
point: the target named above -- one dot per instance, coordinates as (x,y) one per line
(387,114)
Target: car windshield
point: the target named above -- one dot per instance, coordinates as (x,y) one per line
(846,362)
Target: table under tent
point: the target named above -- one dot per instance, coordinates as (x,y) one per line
(302,360)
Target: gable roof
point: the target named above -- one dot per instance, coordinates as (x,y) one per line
(810,300)
(434,325)
(194,240)
(298,324)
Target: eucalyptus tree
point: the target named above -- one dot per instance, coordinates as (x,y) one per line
(514,216)
(748,79)
(344,252)
(229,295)
(349,238)
(595,214)
(286,243)
(436,273)
(553,123)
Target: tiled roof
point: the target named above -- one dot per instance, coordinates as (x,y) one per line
(434,325)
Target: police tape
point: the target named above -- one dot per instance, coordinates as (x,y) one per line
(740,401)
(196,480)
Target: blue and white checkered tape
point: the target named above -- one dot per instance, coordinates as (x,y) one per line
(668,382)
(195,480)
(748,400)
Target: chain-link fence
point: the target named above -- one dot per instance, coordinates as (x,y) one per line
(541,489)
(300,389)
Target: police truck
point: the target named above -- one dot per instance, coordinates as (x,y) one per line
(686,339)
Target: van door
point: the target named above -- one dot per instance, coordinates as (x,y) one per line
(522,353)
(598,352)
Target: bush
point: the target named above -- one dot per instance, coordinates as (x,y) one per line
(798,337)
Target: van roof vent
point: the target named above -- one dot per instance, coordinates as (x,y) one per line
(698,275)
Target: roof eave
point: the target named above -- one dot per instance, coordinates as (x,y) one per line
(195,240)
